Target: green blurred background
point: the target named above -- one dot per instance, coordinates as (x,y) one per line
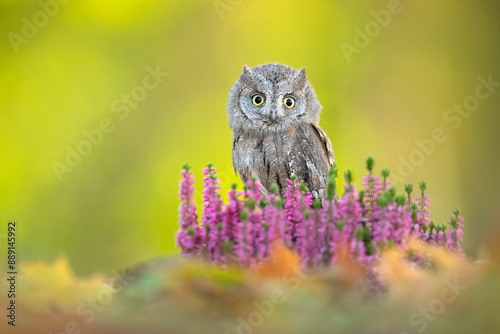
(119,205)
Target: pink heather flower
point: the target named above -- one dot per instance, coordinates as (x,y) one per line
(305,200)
(323,234)
(373,188)
(380,227)
(259,243)
(423,204)
(189,237)
(350,211)
(243,240)
(392,225)
(306,229)
(402,224)
(274,216)
(328,233)
(232,212)
(260,246)
(297,212)
(305,241)
(440,238)
(254,190)
(308,243)
(300,226)
(454,235)
(332,230)
(292,211)
(358,250)
(389,226)
(215,227)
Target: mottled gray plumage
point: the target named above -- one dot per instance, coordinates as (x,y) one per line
(271,140)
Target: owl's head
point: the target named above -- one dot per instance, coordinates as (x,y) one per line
(272,95)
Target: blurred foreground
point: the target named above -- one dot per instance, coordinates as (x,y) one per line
(174,295)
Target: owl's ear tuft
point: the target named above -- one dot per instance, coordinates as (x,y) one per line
(247,74)
(247,71)
(300,79)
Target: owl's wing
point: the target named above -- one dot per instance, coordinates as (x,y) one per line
(311,157)
(327,145)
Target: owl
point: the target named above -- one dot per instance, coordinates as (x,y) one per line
(274,114)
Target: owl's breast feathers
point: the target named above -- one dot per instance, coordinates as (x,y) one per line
(303,150)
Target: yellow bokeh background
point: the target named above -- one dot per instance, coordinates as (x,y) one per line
(119,205)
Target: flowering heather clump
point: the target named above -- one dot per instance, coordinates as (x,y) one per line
(189,237)
(364,222)
(216,233)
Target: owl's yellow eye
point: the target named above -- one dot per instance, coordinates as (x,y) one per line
(289,102)
(257,99)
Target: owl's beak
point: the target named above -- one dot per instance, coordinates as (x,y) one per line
(273,115)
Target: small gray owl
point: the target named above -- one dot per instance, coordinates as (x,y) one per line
(274,114)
